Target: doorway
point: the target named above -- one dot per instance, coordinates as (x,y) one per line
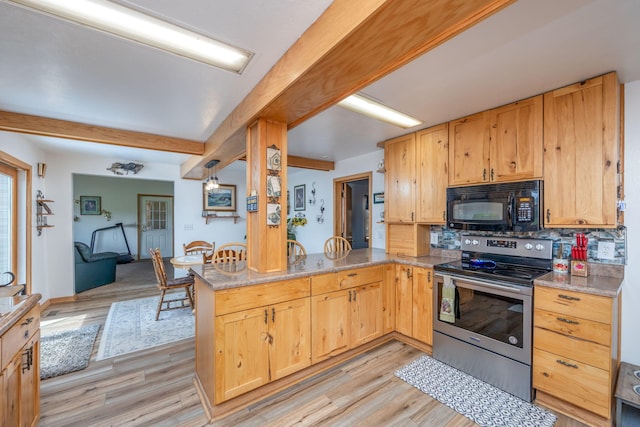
(155,225)
(352,218)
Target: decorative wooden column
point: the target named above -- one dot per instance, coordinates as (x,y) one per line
(267,168)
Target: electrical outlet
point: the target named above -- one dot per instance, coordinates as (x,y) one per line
(434,238)
(606,250)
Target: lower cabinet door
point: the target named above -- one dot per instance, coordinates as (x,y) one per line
(30,382)
(290,337)
(12,394)
(242,352)
(404,299)
(330,324)
(423,305)
(366,313)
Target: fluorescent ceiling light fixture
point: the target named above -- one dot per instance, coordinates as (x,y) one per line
(371,108)
(139,27)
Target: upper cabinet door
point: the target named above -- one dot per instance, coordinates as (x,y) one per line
(433,168)
(400,179)
(469,150)
(581,153)
(516,141)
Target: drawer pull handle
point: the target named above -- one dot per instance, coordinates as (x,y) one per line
(352,274)
(569,321)
(27,321)
(568,365)
(568,297)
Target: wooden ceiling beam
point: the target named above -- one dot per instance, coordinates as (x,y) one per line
(35,125)
(351,45)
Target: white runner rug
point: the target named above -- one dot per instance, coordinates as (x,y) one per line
(131,326)
(482,403)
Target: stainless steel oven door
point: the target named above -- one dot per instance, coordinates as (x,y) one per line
(493,316)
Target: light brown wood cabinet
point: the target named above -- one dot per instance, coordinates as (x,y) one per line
(582,153)
(575,349)
(414,300)
(498,145)
(347,311)
(20,373)
(432,174)
(400,179)
(469,149)
(415,189)
(262,333)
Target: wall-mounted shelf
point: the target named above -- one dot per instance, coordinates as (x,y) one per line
(381,170)
(42,211)
(208,218)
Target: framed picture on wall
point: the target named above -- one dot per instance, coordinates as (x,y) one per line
(378,197)
(222,198)
(90,205)
(299,195)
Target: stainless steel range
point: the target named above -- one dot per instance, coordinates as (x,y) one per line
(483,309)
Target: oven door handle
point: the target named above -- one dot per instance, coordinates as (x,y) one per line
(486,285)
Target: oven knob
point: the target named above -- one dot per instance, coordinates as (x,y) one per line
(539,247)
(528,246)
(467,242)
(475,242)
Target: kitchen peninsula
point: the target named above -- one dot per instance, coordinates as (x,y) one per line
(258,333)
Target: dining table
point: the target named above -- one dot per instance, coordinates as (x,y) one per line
(184,262)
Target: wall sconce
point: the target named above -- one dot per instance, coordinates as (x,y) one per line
(42,169)
(212,182)
(312,200)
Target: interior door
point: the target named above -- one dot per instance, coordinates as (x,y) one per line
(155,225)
(351,209)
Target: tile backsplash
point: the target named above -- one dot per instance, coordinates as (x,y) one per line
(450,239)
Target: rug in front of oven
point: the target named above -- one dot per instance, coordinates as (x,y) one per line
(482,403)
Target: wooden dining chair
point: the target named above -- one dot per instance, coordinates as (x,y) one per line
(336,245)
(295,251)
(164,284)
(200,247)
(231,253)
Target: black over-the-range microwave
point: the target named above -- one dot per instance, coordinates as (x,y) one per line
(513,206)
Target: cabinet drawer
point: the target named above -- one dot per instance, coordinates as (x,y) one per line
(16,337)
(578,304)
(573,326)
(248,297)
(573,382)
(583,351)
(345,279)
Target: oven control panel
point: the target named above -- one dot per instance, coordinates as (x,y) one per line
(531,248)
(511,244)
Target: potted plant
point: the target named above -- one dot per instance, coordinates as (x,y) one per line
(296,221)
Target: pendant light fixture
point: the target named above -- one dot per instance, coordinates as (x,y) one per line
(212,182)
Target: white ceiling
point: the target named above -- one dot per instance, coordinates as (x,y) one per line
(57,69)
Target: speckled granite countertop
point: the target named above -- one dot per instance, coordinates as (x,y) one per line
(13,308)
(607,283)
(313,264)
(607,286)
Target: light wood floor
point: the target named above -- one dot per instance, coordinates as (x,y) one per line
(154,387)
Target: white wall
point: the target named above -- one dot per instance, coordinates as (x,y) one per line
(631,290)
(313,235)
(19,147)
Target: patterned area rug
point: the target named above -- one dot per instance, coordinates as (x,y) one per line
(131,326)
(66,351)
(482,403)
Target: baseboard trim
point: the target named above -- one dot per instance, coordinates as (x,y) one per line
(59,300)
